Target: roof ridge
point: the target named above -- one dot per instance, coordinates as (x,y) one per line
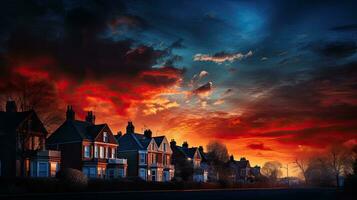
(136,140)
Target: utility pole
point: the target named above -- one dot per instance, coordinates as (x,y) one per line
(287,174)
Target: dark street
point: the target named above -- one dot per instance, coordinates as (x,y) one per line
(246,194)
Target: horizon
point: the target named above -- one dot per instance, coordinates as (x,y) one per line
(272,80)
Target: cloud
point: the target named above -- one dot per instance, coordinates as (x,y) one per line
(67,47)
(222,57)
(258,146)
(204,89)
(197,77)
(347,27)
(336,49)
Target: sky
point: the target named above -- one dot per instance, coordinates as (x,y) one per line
(272,80)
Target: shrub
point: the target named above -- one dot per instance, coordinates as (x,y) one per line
(72,179)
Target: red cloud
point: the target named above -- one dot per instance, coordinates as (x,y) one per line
(259,146)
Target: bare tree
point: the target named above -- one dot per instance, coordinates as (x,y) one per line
(302,165)
(340,161)
(272,170)
(217,154)
(38,95)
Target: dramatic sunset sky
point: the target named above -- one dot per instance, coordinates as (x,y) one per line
(272,80)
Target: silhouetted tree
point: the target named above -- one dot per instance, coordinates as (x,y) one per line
(272,170)
(39,95)
(302,165)
(217,154)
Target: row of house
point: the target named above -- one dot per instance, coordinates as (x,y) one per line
(27,149)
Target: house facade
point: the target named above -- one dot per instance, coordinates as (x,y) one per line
(22,145)
(187,161)
(241,171)
(88,147)
(148,157)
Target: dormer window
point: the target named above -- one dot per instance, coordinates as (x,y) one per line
(164,147)
(105,137)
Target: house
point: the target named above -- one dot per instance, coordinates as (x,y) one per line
(22,145)
(187,162)
(241,169)
(88,147)
(148,157)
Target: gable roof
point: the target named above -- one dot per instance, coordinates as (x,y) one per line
(75,130)
(241,163)
(136,141)
(10,121)
(187,152)
(159,139)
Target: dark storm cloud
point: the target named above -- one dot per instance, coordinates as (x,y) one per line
(71,34)
(258,146)
(337,49)
(203,89)
(348,27)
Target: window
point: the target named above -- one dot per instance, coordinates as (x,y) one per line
(142,173)
(87,151)
(121,172)
(86,171)
(111,173)
(142,157)
(113,153)
(153,175)
(105,137)
(153,158)
(164,160)
(152,146)
(106,152)
(101,152)
(95,151)
(42,169)
(101,172)
(92,172)
(164,146)
(54,168)
(33,169)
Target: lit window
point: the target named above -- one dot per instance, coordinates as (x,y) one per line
(106,152)
(101,152)
(86,151)
(113,153)
(105,137)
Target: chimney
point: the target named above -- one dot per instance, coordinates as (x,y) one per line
(243,159)
(200,148)
(70,114)
(90,117)
(11,106)
(119,134)
(148,133)
(130,127)
(231,158)
(173,143)
(185,144)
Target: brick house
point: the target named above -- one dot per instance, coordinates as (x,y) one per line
(187,161)
(22,145)
(241,171)
(88,147)
(148,157)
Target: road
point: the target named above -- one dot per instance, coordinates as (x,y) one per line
(245,194)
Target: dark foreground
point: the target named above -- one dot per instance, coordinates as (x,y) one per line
(245,194)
